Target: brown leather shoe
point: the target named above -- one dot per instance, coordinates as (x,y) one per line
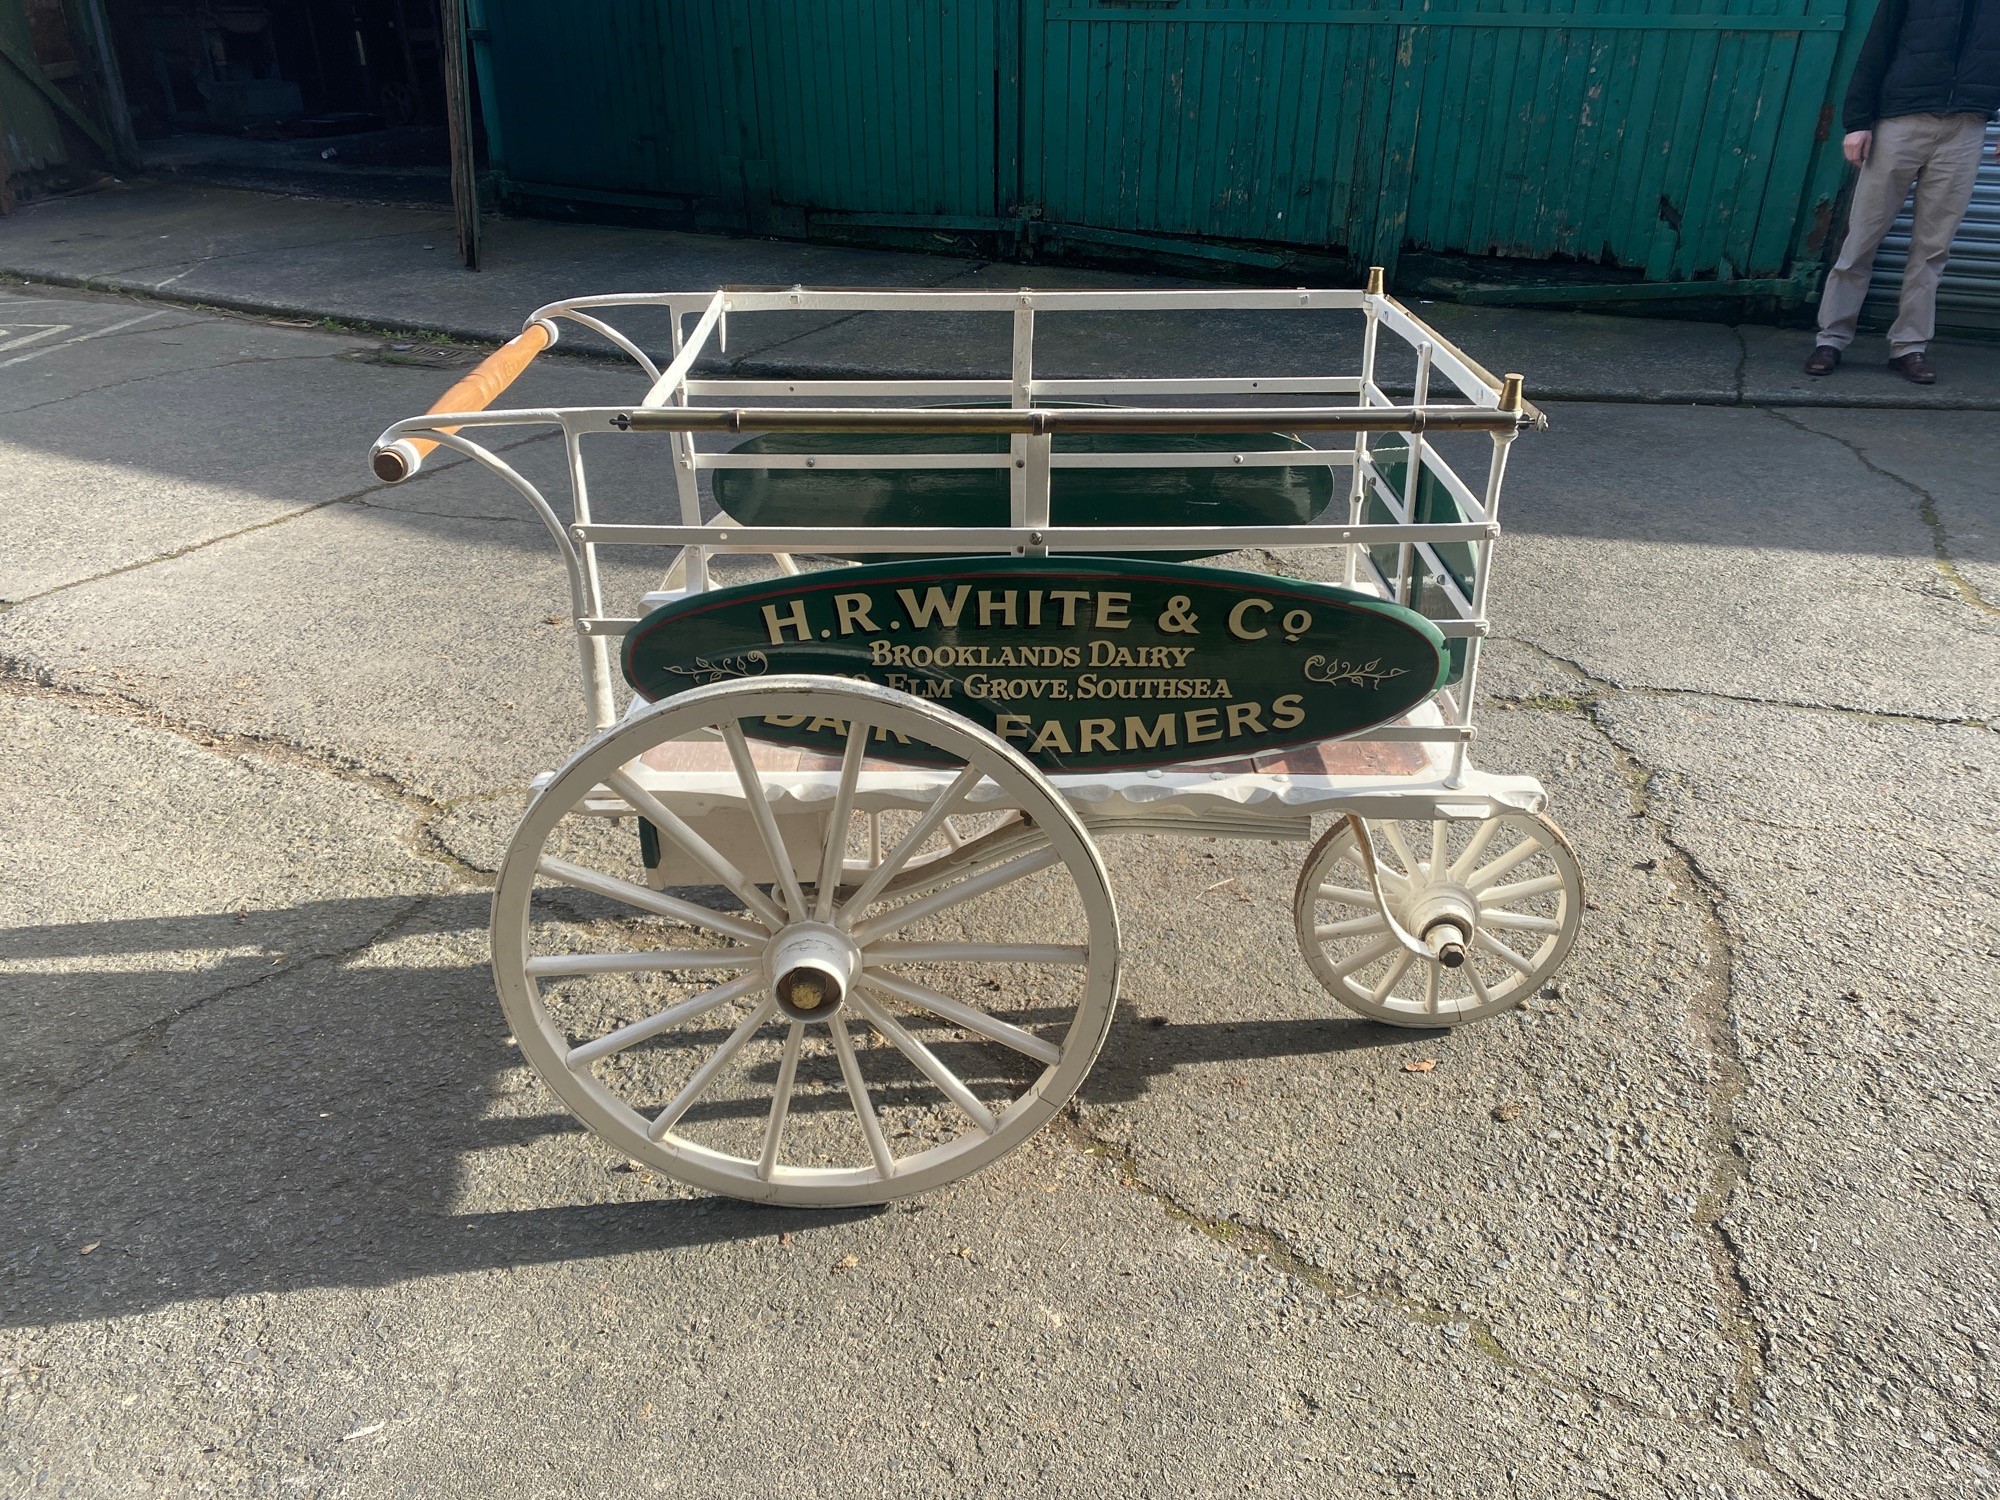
(1914,368)
(1822,360)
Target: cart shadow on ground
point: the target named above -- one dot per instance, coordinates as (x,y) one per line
(246,1127)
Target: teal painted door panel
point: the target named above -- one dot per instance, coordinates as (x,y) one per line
(1678,138)
(873,106)
(1665,138)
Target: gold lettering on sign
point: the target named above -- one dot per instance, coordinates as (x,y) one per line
(853,612)
(934,607)
(1239,627)
(792,619)
(991,604)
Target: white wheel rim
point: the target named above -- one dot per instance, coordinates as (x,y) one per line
(904,992)
(1515,873)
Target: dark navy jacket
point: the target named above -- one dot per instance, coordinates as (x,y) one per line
(1926,57)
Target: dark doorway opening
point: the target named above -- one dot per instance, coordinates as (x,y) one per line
(337,97)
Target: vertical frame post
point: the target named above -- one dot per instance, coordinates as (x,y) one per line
(693,560)
(1482,577)
(1358,483)
(595,649)
(1413,477)
(1022,397)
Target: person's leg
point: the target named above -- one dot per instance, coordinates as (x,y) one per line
(1944,190)
(1879,194)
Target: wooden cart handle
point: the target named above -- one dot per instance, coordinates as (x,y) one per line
(480,388)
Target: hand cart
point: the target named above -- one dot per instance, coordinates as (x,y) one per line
(818,915)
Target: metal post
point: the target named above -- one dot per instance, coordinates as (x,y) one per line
(1510,400)
(685,481)
(1412,476)
(1023,396)
(1357,488)
(595,648)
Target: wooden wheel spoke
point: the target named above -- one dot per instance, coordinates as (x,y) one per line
(781,1101)
(899,917)
(705,1075)
(1386,985)
(1518,921)
(761,815)
(1432,978)
(637,1031)
(1520,890)
(698,848)
(835,852)
(1348,895)
(857,1093)
(1481,837)
(1360,958)
(1491,871)
(1062,954)
(1479,990)
(970,1017)
(1487,943)
(1393,829)
(656,902)
(1353,927)
(662,961)
(928,1064)
(938,812)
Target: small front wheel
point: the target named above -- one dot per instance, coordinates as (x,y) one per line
(1495,903)
(840,1035)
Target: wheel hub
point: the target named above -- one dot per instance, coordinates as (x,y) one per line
(812,967)
(1446,917)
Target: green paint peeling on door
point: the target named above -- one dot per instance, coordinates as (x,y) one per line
(1681,144)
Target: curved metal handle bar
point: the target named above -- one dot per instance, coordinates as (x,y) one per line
(579,593)
(605,330)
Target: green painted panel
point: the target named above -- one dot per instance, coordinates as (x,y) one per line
(882,106)
(900,498)
(1678,138)
(1084,663)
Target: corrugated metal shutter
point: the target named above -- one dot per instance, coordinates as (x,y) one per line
(1969,295)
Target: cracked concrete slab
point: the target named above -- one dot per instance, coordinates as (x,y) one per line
(1260,1102)
(430,648)
(1864,917)
(379,1257)
(150,873)
(1735,552)
(1947,465)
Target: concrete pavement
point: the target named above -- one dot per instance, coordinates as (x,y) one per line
(395,267)
(282,1212)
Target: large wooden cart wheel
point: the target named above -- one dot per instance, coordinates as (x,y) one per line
(816,1041)
(1493,905)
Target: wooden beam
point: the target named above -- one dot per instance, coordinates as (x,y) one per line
(29,69)
(458,117)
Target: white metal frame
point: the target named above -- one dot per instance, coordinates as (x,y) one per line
(676,404)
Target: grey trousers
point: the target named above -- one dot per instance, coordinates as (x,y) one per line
(1940,155)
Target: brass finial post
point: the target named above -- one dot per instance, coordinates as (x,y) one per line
(1510,393)
(1374,281)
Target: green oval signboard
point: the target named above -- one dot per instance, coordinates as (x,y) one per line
(1084,663)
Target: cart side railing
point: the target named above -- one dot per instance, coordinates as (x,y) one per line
(679,405)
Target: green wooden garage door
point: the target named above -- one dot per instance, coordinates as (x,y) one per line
(1678,138)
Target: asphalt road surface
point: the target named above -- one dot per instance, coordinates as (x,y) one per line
(282,1211)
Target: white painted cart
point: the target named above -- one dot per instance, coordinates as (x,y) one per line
(842,973)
